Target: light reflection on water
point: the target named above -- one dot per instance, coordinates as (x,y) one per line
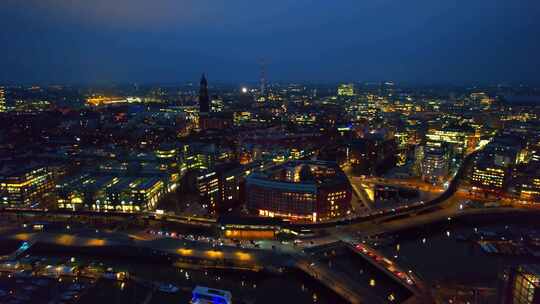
(437,256)
(246,287)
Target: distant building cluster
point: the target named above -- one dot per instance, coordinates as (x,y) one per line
(259,150)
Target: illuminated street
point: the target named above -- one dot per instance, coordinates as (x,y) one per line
(262,152)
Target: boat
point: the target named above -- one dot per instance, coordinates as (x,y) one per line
(168,288)
(206,295)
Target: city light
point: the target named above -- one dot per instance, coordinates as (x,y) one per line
(348,151)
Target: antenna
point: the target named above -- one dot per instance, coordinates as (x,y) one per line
(262,64)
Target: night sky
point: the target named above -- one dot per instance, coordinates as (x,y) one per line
(431,41)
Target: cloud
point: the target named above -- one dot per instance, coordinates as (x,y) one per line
(120,14)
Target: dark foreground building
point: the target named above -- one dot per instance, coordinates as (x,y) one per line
(520,285)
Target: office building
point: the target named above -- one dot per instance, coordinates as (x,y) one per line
(3,105)
(488,175)
(24,186)
(198,156)
(308,191)
(435,164)
(456,139)
(241,117)
(346,90)
(110,193)
(208,188)
(219,187)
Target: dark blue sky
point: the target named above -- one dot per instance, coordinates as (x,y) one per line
(415,41)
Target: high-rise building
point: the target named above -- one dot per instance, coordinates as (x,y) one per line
(3,107)
(219,187)
(435,164)
(346,90)
(208,188)
(204,99)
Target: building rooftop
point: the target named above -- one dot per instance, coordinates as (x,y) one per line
(298,174)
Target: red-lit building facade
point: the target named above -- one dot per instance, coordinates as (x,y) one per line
(306,191)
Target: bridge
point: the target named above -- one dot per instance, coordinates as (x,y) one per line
(362,275)
(195,254)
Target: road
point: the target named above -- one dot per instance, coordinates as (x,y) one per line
(212,224)
(273,253)
(413,183)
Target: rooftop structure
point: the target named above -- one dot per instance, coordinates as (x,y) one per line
(25,185)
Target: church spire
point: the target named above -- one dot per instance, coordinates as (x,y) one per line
(204,100)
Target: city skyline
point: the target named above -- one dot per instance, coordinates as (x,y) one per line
(219,152)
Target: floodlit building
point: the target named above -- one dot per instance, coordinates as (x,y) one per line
(455,138)
(346,90)
(110,193)
(199,156)
(493,170)
(435,164)
(24,186)
(3,106)
(82,191)
(300,191)
(530,189)
(241,117)
(97,101)
(144,194)
(488,175)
